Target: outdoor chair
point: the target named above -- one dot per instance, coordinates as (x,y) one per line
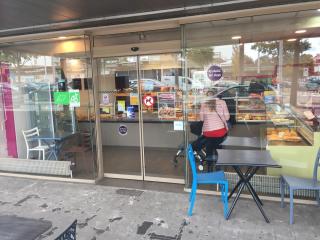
(206,178)
(69,233)
(296,183)
(34,145)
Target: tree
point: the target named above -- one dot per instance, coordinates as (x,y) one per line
(293,54)
(236,61)
(200,57)
(16,58)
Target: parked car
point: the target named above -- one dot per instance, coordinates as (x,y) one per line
(313,83)
(147,84)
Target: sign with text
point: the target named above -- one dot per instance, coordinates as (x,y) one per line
(214,73)
(166,105)
(123,130)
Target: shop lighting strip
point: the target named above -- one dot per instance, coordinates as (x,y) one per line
(90,20)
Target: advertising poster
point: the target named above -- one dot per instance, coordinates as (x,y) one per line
(134,99)
(166,105)
(121,105)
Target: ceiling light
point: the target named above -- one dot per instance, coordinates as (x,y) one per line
(236,37)
(292,40)
(62,37)
(300,31)
(318,10)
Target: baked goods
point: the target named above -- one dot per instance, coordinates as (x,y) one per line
(251,117)
(282,121)
(283,134)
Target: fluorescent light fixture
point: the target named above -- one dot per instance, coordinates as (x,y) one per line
(62,37)
(236,37)
(300,31)
(292,40)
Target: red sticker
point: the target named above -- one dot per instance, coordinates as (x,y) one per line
(148,101)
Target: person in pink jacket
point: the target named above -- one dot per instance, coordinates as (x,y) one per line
(214,114)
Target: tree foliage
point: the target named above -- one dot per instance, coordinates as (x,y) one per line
(16,58)
(200,57)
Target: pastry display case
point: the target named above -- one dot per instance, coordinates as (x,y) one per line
(280,125)
(250,109)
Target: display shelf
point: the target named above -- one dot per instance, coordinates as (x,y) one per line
(252,121)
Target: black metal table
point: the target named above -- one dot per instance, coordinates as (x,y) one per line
(252,160)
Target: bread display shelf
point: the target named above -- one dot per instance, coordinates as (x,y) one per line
(252,121)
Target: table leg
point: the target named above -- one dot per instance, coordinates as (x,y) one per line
(235,200)
(238,184)
(257,201)
(246,181)
(51,149)
(246,178)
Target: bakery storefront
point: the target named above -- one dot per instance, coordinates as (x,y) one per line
(120,105)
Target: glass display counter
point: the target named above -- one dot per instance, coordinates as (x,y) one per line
(282,126)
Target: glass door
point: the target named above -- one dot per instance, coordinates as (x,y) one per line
(119,116)
(162,116)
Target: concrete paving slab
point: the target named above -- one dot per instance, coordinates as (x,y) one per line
(105,212)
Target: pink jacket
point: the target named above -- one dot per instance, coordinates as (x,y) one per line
(211,120)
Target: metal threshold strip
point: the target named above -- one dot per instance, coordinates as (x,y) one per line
(115,17)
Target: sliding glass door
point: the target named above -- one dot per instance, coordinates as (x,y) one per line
(141,117)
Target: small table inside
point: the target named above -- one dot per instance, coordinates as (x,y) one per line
(57,138)
(252,160)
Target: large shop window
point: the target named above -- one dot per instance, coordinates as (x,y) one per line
(267,69)
(46,88)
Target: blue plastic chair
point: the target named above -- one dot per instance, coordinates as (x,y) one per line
(296,183)
(206,178)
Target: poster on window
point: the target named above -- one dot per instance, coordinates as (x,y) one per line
(166,105)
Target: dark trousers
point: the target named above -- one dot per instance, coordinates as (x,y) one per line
(211,144)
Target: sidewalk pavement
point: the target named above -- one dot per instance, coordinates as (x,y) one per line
(120,214)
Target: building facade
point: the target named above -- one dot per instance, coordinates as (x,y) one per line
(117,101)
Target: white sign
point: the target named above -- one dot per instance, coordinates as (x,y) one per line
(168,80)
(74,96)
(105,98)
(178,125)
